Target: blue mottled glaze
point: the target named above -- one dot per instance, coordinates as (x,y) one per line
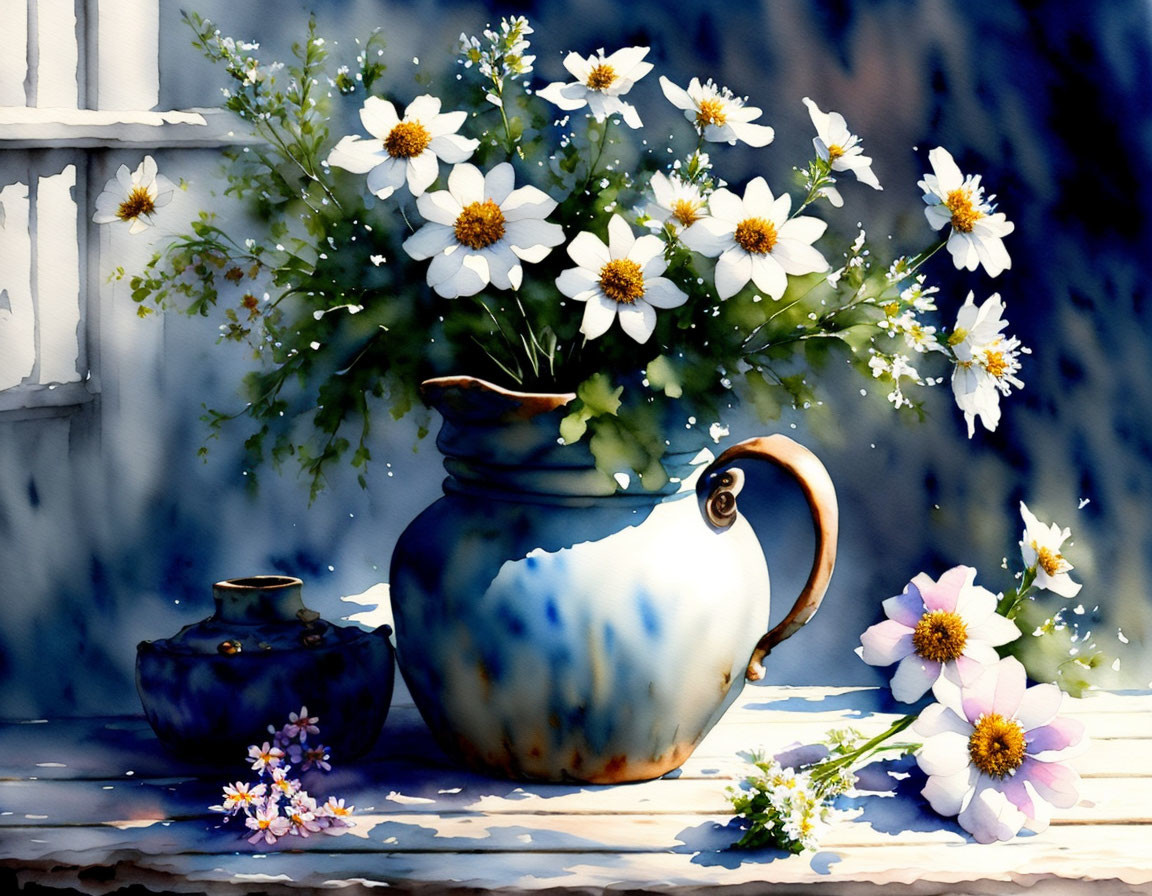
(209,701)
(552,628)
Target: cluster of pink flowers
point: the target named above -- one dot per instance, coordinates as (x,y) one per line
(278,805)
(994,748)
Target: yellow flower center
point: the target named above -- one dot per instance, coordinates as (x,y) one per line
(601,77)
(957,336)
(138,203)
(622,281)
(964,213)
(995,363)
(710,111)
(835,151)
(997,745)
(685,211)
(940,636)
(892,309)
(407,139)
(480,224)
(756,235)
(1049,560)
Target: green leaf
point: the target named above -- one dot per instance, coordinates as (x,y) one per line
(662,374)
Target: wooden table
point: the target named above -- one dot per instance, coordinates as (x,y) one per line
(95,805)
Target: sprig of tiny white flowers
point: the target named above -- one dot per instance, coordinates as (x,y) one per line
(278,805)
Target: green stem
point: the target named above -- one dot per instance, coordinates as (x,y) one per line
(826,770)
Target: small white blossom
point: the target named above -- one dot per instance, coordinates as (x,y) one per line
(600,83)
(133,197)
(619,279)
(675,201)
(717,115)
(977,231)
(839,147)
(1040,547)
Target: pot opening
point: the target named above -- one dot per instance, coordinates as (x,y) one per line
(264,583)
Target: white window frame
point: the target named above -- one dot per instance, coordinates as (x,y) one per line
(115,66)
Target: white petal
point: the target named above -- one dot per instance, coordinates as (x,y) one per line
(733,271)
(429,240)
(527,202)
(769,275)
(995,630)
(599,312)
(385,178)
(677,96)
(885,643)
(453,148)
(379,117)
(947,172)
(589,251)
(727,206)
(798,258)
(647,249)
(1039,705)
(914,676)
(422,171)
(989,816)
(946,793)
(708,236)
(498,183)
(944,754)
(660,292)
(445,124)
(440,207)
(620,237)
(424,109)
(804,228)
(756,135)
(466,184)
(469,280)
(577,283)
(638,320)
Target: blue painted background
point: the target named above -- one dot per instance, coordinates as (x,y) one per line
(112,530)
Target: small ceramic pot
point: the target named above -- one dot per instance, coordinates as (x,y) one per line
(214,687)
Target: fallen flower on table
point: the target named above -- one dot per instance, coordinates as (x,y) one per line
(278,805)
(992,747)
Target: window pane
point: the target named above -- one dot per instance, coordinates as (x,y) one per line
(56,53)
(17,312)
(14,57)
(58,278)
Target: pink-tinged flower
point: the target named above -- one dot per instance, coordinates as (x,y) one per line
(302,817)
(338,815)
(241,796)
(300,724)
(265,756)
(1040,547)
(935,628)
(600,82)
(283,787)
(306,757)
(268,824)
(994,753)
(403,149)
(977,231)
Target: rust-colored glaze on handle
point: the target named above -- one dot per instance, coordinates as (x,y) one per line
(717,489)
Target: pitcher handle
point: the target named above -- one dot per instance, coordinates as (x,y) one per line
(717,489)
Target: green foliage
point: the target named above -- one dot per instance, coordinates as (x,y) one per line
(342,325)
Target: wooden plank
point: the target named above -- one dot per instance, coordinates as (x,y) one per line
(418,792)
(696,853)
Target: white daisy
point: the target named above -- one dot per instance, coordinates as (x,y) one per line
(1040,547)
(133,197)
(986,363)
(621,279)
(718,115)
(600,82)
(756,240)
(480,229)
(839,147)
(675,201)
(977,232)
(403,149)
